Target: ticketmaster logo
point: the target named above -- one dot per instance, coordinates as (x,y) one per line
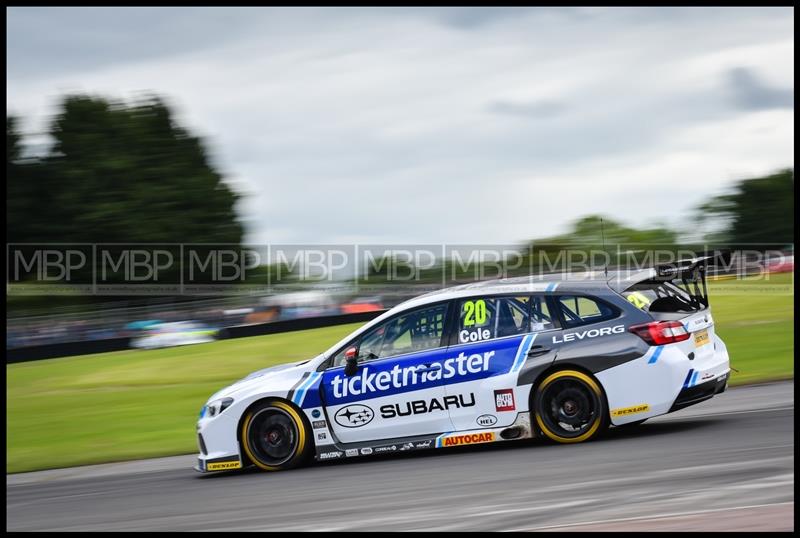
(365,382)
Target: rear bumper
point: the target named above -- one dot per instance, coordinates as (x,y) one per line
(700,393)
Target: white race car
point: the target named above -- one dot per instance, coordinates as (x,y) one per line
(487,362)
(178,333)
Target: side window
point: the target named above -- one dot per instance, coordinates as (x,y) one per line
(578,310)
(484,318)
(417,330)
(541,319)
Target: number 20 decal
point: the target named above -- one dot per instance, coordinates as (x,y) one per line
(474,313)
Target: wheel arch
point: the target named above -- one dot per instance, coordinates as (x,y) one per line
(267,399)
(557,367)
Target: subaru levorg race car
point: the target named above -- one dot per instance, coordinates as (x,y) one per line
(487,362)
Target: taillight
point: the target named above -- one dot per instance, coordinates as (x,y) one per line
(659,333)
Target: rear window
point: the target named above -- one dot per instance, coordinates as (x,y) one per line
(665,297)
(579,310)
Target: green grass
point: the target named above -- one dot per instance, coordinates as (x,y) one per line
(132,404)
(137,404)
(755,319)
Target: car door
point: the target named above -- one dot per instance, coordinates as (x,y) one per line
(502,334)
(397,390)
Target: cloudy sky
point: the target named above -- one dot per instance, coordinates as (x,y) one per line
(468,125)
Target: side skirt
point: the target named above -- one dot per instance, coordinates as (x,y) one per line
(520,429)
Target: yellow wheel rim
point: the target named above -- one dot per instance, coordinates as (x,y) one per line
(598,419)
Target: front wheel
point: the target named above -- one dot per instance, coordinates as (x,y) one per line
(569,407)
(274,436)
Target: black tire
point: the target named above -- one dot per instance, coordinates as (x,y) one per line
(569,407)
(275,437)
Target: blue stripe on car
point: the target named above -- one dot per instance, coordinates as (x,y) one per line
(656,354)
(688,378)
(300,395)
(694,379)
(522,352)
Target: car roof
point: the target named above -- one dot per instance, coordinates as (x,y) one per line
(561,282)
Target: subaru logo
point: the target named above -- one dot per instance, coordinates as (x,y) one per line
(354,416)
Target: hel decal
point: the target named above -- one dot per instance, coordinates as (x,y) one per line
(486,420)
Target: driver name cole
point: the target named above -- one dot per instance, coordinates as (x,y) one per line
(487,362)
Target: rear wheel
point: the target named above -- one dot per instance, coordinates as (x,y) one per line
(569,407)
(274,436)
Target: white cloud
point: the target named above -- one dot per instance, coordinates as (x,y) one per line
(416,126)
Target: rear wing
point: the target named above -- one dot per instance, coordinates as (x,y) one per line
(688,274)
(692,273)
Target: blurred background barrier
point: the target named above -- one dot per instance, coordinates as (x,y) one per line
(88,347)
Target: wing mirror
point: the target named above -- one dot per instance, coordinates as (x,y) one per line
(351,361)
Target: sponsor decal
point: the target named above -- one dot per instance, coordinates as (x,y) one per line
(420,407)
(487,420)
(624,411)
(390,448)
(466,439)
(223,465)
(321,436)
(707,375)
(591,333)
(407,446)
(315,413)
(366,381)
(350,452)
(330,455)
(424,444)
(366,451)
(317,424)
(474,336)
(504,400)
(354,416)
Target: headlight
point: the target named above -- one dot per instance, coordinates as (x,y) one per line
(216,407)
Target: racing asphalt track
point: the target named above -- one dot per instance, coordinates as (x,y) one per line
(726,464)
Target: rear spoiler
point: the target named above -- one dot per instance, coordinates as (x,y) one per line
(691,273)
(683,268)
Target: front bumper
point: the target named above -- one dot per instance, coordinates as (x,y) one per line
(217,464)
(218,444)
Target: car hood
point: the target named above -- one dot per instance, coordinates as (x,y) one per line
(273,378)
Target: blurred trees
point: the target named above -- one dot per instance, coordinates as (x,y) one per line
(117,174)
(759,211)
